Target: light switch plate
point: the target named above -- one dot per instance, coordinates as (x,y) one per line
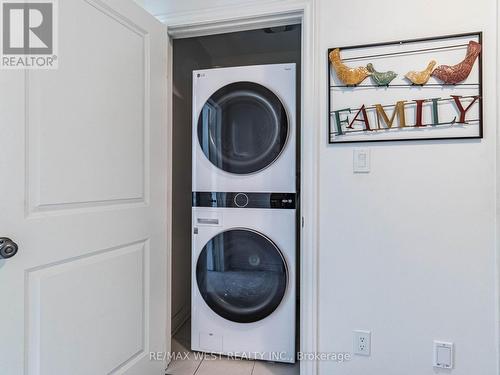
(443,354)
(361,160)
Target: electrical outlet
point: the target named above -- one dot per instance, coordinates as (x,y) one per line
(362,342)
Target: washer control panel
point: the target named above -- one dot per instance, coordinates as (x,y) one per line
(245,200)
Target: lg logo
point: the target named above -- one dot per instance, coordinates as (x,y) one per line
(29,34)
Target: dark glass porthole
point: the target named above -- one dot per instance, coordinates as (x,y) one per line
(243,128)
(241,275)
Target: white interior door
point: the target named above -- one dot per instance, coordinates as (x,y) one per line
(83,174)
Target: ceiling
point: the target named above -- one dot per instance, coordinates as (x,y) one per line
(160,7)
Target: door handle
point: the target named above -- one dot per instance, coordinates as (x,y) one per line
(8,248)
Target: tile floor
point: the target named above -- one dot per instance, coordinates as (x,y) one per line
(194,365)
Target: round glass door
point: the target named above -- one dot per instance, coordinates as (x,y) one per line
(241,275)
(242,128)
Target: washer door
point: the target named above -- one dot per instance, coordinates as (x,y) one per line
(241,275)
(243,128)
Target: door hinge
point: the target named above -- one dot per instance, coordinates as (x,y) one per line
(303,221)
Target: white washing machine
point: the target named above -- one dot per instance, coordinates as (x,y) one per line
(244,125)
(243,279)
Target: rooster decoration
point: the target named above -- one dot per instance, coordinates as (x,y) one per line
(457,73)
(349,76)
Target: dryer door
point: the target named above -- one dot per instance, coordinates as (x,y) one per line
(242,275)
(243,128)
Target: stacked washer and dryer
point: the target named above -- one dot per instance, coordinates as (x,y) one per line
(244,212)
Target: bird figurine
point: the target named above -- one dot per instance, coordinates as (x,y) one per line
(349,76)
(381,78)
(421,78)
(457,73)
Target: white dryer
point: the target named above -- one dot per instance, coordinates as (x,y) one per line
(243,279)
(244,125)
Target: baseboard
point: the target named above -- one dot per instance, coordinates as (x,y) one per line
(181,317)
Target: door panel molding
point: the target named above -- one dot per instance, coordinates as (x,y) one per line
(139,196)
(138,251)
(132,26)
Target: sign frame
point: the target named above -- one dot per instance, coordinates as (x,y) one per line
(331,115)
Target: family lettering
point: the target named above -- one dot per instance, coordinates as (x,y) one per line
(384,122)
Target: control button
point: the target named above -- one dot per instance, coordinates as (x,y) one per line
(241,200)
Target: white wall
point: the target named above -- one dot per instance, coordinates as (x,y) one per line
(407,251)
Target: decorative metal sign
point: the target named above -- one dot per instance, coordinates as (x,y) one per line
(406,90)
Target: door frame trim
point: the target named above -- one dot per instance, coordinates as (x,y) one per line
(247,17)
